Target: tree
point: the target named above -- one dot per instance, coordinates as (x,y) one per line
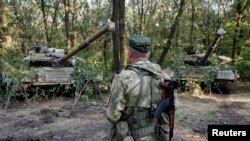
(118,36)
(45,17)
(172,32)
(67,8)
(62,24)
(5,37)
(115,36)
(122,33)
(49,30)
(241,5)
(1,24)
(191,36)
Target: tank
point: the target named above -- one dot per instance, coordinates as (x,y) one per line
(43,70)
(51,66)
(216,68)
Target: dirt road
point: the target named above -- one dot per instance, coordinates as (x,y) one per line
(56,120)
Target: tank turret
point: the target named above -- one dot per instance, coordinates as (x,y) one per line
(204,65)
(202,59)
(52,66)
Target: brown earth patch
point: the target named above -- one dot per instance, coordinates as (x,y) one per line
(57,120)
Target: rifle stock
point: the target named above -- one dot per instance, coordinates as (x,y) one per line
(167,105)
(171,124)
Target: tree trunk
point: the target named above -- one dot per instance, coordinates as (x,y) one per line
(115,36)
(190,49)
(5,37)
(135,29)
(105,55)
(141,13)
(123,50)
(240,7)
(66,4)
(73,20)
(45,23)
(54,21)
(172,32)
(1,24)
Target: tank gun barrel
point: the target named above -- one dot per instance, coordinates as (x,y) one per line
(110,26)
(214,44)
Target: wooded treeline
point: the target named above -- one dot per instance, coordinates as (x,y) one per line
(176,28)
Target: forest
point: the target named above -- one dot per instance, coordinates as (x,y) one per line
(176,28)
(65,24)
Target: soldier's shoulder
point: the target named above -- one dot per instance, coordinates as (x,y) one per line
(125,75)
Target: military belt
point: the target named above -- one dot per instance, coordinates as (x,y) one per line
(142,115)
(142,123)
(143,131)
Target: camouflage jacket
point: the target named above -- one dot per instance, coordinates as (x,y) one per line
(125,89)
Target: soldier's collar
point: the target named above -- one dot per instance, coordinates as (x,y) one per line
(141,62)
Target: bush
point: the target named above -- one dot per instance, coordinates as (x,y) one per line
(244,70)
(13,70)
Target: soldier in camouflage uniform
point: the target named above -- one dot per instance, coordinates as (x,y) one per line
(134,92)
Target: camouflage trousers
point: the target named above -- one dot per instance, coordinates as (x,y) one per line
(121,132)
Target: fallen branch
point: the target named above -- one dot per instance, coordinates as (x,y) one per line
(79,91)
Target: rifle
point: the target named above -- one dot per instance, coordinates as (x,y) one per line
(167,104)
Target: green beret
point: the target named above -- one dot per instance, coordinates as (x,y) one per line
(140,43)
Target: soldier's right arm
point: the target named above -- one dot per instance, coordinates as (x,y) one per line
(117,100)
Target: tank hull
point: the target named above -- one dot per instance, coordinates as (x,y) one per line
(51,76)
